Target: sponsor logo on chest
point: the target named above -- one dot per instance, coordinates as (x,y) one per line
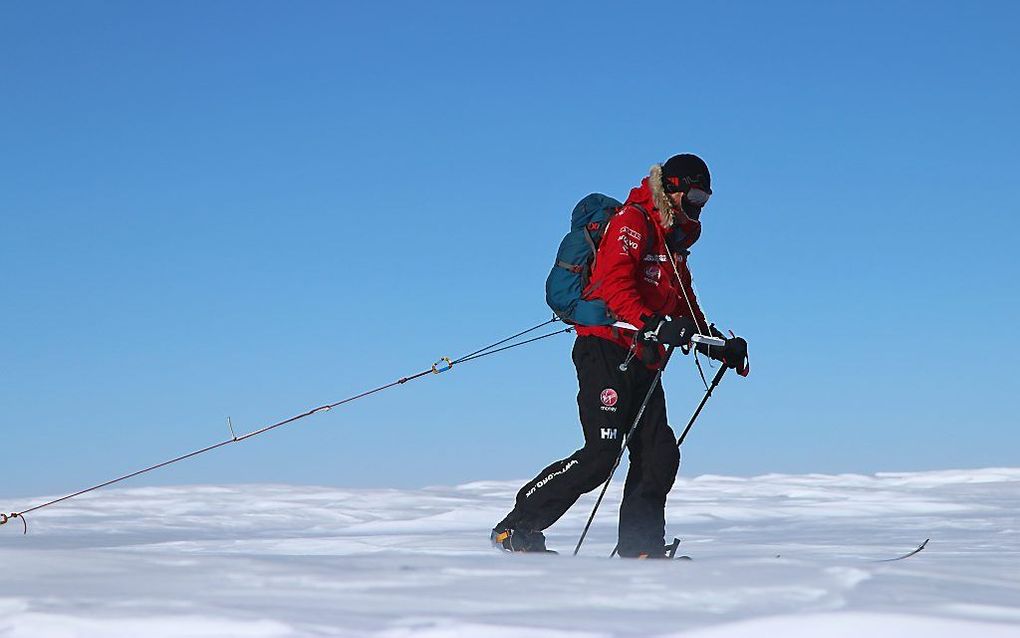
(652,274)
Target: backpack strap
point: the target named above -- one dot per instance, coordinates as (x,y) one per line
(574,268)
(601,227)
(651,226)
(579,268)
(591,240)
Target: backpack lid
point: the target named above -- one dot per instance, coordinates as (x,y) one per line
(590,207)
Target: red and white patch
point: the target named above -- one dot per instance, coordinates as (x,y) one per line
(609,397)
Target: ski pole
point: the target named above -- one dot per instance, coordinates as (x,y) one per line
(680,441)
(623,445)
(715,382)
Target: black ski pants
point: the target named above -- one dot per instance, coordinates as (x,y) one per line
(608,400)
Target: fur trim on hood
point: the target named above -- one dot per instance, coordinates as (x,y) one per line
(667,213)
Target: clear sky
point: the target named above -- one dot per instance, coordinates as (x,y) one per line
(248,209)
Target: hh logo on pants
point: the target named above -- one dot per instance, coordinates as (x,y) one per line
(608,433)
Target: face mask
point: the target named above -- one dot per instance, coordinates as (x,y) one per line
(696,197)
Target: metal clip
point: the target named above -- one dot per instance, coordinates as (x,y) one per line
(6,517)
(437,368)
(626,362)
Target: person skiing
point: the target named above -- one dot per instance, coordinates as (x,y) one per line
(640,271)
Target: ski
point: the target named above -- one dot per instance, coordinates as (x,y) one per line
(671,552)
(916,550)
(907,555)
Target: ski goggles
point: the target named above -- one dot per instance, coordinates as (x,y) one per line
(692,189)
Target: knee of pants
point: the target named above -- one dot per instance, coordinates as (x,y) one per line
(664,469)
(599,462)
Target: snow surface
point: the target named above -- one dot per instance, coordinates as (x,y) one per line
(774,555)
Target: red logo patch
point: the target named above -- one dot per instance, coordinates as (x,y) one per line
(609,397)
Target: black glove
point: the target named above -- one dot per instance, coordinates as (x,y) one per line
(668,331)
(735,355)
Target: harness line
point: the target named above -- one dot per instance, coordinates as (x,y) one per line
(444,364)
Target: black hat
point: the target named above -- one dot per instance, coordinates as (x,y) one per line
(681,171)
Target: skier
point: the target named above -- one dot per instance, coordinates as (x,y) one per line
(641,272)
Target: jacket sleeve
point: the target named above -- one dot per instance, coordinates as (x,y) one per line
(617,266)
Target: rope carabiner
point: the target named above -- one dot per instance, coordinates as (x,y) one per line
(6,517)
(437,368)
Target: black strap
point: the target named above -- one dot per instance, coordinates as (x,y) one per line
(649,222)
(594,249)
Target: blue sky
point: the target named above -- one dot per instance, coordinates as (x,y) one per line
(250,209)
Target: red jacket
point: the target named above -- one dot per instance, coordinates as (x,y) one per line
(636,282)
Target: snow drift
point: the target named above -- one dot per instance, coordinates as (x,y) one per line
(774,555)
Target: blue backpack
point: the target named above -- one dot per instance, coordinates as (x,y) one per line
(574,259)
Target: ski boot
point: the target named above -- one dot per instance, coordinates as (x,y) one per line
(668,552)
(519,540)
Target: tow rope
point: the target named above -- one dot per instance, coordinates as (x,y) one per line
(443,364)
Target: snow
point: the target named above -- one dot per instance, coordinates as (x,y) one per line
(775,555)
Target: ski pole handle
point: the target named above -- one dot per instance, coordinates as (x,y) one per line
(708,341)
